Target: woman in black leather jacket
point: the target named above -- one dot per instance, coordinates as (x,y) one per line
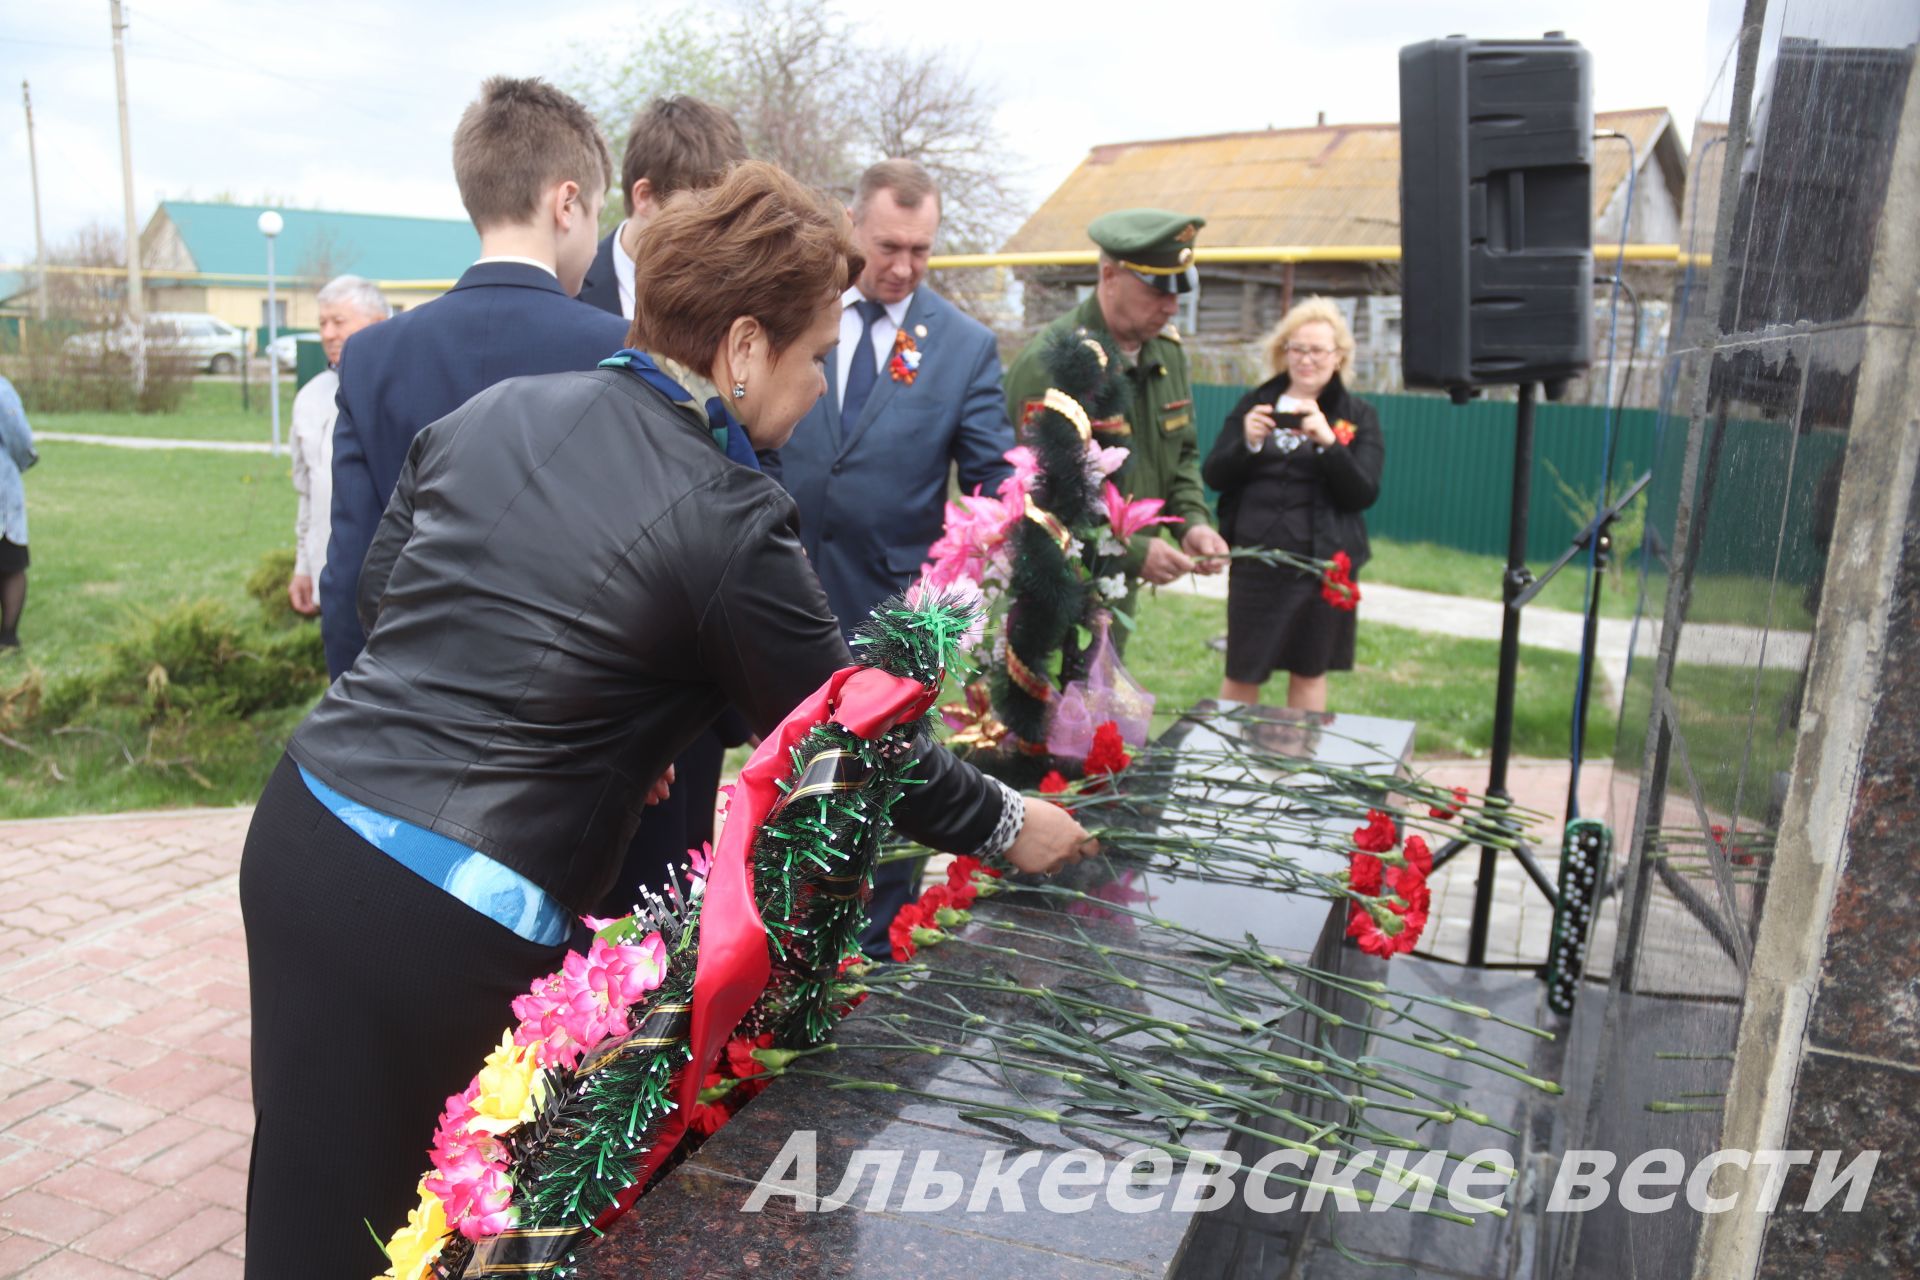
(1296,463)
(570,582)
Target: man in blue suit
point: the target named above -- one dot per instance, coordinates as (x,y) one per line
(533,173)
(913,389)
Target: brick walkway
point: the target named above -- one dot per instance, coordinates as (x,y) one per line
(124,1103)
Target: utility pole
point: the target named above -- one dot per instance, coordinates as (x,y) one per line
(136,305)
(33,167)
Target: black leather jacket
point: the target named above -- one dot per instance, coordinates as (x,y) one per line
(570,583)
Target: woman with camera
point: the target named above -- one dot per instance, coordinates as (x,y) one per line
(1297,462)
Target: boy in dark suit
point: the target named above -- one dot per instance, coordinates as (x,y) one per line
(533,172)
(677,144)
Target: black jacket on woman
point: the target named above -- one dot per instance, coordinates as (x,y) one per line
(572,581)
(1349,473)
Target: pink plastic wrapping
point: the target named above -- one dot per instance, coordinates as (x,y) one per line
(1108,693)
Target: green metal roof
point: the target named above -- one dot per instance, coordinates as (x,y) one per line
(223,238)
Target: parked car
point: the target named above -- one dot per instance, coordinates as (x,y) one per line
(204,341)
(286,348)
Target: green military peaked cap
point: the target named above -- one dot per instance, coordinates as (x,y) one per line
(1154,244)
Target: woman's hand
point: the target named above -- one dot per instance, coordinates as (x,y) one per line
(1314,424)
(1257,426)
(1050,839)
(662,787)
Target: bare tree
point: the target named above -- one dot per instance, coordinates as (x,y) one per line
(815,96)
(97,291)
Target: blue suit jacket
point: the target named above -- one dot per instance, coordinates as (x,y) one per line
(872,494)
(502,320)
(601,287)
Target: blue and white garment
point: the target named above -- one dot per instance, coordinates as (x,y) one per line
(495,890)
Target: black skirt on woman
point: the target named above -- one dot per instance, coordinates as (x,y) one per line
(1277,621)
(1276,618)
(375,996)
(13,556)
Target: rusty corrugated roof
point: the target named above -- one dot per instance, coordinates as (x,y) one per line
(1333,184)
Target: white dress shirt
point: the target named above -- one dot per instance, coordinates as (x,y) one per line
(884,330)
(312,438)
(525,262)
(623,270)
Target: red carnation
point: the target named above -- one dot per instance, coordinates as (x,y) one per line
(934,898)
(1447,813)
(1411,910)
(1378,836)
(1410,884)
(1366,875)
(900,932)
(1109,751)
(1054,783)
(740,1059)
(1418,855)
(708,1118)
(1337,586)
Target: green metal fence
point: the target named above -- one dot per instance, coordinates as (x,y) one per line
(1449,477)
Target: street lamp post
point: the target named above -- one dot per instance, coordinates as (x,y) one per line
(271,224)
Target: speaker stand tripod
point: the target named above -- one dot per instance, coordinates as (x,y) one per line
(1512,585)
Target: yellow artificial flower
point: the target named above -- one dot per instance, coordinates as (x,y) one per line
(413,1249)
(511,1088)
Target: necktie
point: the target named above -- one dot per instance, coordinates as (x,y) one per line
(862,372)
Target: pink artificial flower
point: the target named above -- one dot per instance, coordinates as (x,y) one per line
(699,863)
(1103,462)
(470,1180)
(1128,517)
(1026,468)
(539,1013)
(567,1014)
(597,923)
(975,528)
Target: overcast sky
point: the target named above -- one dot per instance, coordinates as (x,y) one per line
(351,105)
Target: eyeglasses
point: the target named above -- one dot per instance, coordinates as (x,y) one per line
(1306,352)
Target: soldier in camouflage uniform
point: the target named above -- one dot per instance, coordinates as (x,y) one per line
(1146,263)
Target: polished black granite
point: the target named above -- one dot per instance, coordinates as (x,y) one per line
(693,1222)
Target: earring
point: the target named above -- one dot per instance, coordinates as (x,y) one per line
(739,390)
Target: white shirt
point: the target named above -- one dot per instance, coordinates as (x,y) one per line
(884,330)
(514,257)
(312,445)
(623,270)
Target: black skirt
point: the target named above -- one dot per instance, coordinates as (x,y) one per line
(1277,621)
(375,996)
(13,556)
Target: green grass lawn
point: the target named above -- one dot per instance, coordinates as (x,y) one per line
(211,411)
(118,531)
(1425,566)
(1443,684)
(119,535)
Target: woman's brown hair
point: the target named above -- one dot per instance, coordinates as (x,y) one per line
(759,244)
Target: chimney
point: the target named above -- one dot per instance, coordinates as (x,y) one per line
(1320,119)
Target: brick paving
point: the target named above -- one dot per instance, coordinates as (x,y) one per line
(125,1111)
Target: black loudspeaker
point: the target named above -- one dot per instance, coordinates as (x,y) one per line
(1496,212)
